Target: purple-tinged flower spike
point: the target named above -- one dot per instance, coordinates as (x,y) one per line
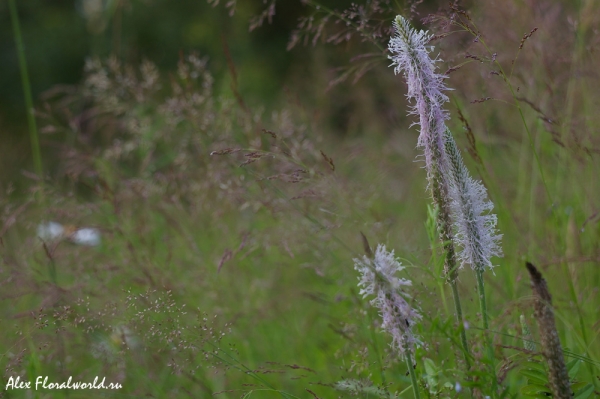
(378,278)
(474,224)
(474,227)
(464,220)
(410,55)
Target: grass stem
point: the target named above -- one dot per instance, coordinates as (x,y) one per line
(486,327)
(459,319)
(413,375)
(33,132)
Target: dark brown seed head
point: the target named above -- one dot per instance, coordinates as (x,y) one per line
(551,348)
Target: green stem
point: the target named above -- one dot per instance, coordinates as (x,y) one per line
(413,375)
(452,279)
(33,133)
(459,319)
(486,327)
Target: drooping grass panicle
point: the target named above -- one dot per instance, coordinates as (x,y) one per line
(475,226)
(378,278)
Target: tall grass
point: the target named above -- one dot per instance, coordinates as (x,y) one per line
(33,131)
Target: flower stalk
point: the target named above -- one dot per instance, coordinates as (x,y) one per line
(426,88)
(413,375)
(465,225)
(475,230)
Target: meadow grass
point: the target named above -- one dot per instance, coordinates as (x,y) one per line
(230,275)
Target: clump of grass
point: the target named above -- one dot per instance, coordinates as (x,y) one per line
(180,228)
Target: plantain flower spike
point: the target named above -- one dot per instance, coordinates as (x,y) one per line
(474,223)
(410,56)
(378,279)
(470,211)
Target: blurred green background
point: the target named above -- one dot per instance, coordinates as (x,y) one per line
(59,36)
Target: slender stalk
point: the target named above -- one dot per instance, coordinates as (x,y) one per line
(478,233)
(413,375)
(459,319)
(33,133)
(486,327)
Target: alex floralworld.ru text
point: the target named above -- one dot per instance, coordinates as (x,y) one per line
(43,383)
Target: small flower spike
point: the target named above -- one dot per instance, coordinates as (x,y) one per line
(378,278)
(474,225)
